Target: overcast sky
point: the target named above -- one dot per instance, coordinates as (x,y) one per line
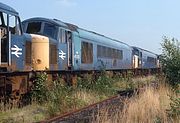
(141,23)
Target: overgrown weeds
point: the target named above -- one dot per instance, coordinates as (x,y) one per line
(55,97)
(150,106)
(102,83)
(170,60)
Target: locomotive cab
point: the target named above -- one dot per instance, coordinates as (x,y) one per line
(15,61)
(10,33)
(137,58)
(11,54)
(59,50)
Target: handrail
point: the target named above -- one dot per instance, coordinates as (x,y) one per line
(9,48)
(0,46)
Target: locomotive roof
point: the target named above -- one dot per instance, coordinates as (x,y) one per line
(7,9)
(73,27)
(134,47)
(53,21)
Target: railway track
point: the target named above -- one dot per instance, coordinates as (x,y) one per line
(88,114)
(93,112)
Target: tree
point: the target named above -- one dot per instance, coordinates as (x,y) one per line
(170,60)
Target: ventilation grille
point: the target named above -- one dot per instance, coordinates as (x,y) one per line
(53,54)
(28,53)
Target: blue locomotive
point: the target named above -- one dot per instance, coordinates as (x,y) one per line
(144,59)
(74,48)
(14,54)
(58,47)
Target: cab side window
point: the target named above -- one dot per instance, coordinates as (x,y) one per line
(3,25)
(14,25)
(65,36)
(50,30)
(62,36)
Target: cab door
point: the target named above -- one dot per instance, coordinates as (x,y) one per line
(16,43)
(11,42)
(4,40)
(65,50)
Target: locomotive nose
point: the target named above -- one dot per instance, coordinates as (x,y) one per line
(40,52)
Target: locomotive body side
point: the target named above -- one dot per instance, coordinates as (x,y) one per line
(145,59)
(78,49)
(100,52)
(149,60)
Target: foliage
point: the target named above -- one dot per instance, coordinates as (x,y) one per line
(59,98)
(171,66)
(101,83)
(40,90)
(174,110)
(171,60)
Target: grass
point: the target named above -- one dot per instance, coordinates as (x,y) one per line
(28,114)
(148,107)
(61,99)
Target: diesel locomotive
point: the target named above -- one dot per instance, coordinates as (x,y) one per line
(14,57)
(77,49)
(42,44)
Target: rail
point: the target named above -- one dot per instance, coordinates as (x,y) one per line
(87,112)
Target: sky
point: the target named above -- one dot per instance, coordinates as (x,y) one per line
(141,23)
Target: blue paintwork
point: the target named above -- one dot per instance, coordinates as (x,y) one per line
(17,63)
(98,39)
(145,63)
(79,35)
(145,54)
(19,41)
(7,9)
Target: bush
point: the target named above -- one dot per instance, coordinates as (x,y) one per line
(174,111)
(58,98)
(102,83)
(171,66)
(40,89)
(170,60)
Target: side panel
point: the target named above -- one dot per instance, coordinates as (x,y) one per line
(148,60)
(17,52)
(114,62)
(62,56)
(77,52)
(40,52)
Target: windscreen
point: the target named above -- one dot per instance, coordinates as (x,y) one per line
(45,29)
(50,30)
(34,27)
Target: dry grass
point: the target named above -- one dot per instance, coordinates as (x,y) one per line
(148,107)
(88,97)
(27,114)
